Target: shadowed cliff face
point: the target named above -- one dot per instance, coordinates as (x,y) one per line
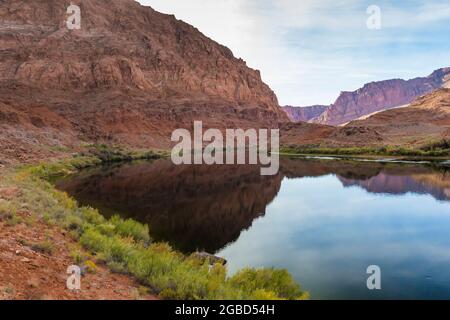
(305,114)
(195,207)
(207,207)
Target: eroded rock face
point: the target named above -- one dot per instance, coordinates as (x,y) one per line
(425,120)
(305,114)
(130,75)
(378,96)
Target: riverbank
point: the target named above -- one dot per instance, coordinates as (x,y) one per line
(122,246)
(431,152)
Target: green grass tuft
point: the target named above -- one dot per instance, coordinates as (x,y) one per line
(426,151)
(45,247)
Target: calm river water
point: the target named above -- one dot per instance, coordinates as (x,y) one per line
(325,221)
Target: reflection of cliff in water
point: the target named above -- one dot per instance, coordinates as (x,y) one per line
(207,207)
(375,177)
(195,207)
(435,184)
(300,168)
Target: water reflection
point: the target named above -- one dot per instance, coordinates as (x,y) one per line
(420,182)
(384,178)
(325,221)
(192,207)
(207,207)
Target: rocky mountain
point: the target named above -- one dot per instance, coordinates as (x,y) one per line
(130,75)
(424,120)
(373,97)
(305,114)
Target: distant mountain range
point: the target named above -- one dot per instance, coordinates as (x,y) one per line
(425,120)
(372,98)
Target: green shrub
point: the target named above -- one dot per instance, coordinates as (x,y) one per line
(48,171)
(270,281)
(131,228)
(443,144)
(435,151)
(78,256)
(90,266)
(8,213)
(117,267)
(91,215)
(175,276)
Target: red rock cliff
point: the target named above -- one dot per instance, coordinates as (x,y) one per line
(305,114)
(383,95)
(130,75)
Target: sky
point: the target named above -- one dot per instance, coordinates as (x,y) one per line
(308,51)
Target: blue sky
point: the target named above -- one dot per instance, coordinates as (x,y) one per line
(309,51)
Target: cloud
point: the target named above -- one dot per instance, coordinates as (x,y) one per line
(310,50)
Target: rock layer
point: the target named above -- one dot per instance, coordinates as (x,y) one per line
(305,114)
(373,97)
(425,120)
(130,75)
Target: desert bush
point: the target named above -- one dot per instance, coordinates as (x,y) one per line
(45,247)
(175,276)
(8,213)
(381,151)
(131,228)
(78,256)
(278,283)
(90,266)
(443,144)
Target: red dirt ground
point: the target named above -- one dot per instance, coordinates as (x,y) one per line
(27,274)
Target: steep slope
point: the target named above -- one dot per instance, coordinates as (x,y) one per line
(305,114)
(130,75)
(426,119)
(378,96)
(303,133)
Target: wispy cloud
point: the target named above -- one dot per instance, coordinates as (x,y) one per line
(310,50)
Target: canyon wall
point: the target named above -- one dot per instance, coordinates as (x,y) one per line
(130,75)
